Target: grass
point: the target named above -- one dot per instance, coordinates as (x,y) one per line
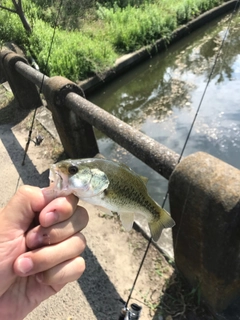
(89,43)
(181,301)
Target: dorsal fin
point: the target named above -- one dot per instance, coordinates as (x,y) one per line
(144,179)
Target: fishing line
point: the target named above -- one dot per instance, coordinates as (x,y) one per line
(208,82)
(184,147)
(41,86)
(201,100)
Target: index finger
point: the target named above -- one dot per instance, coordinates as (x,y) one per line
(58,210)
(21,209)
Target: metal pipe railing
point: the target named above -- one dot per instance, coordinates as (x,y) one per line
(154,154)
(75,129)
(31,74)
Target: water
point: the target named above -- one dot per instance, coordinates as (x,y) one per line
(160,98)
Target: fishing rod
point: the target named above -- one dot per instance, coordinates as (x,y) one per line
(133,313)
(135,310)
(41,86)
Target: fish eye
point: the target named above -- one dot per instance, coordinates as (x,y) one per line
(72,169)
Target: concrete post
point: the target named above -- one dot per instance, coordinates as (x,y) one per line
(77,136)
(24,90)
(205,204)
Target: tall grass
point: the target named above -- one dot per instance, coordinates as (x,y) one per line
(106,31)
(132,27)
(74,55)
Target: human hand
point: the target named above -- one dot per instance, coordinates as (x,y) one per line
(40,244)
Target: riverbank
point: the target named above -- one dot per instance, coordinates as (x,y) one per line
(128,61)
(89,44)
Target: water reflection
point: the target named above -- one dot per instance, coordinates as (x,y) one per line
(161,96)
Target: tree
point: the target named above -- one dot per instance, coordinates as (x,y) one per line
(18,9)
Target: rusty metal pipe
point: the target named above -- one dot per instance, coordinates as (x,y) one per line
(154,154)
(31,74)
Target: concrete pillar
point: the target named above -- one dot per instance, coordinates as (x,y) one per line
(24,90)
(77,136)
(205,204)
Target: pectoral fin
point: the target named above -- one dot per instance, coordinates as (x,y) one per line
(127,219)
(104,210)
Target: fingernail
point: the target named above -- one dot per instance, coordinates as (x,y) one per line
(24,265)
(51,218)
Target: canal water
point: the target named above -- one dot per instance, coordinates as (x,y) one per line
(160,98)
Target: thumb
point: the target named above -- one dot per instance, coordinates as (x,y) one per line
(18,214)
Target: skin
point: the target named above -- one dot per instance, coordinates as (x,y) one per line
(40,244)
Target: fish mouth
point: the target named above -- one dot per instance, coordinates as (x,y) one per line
(57,181)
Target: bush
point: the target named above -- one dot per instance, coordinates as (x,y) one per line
(72,12)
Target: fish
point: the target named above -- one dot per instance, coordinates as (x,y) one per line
(111,187)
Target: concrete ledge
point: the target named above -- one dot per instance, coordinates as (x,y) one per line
(24,90)
(130,60)
(205,204)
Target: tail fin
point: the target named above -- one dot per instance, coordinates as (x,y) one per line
(156,226)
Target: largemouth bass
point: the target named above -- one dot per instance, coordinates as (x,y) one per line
(112,187)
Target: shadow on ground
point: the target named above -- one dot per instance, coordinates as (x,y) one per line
(28,172)
(11,113)
(98,289)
